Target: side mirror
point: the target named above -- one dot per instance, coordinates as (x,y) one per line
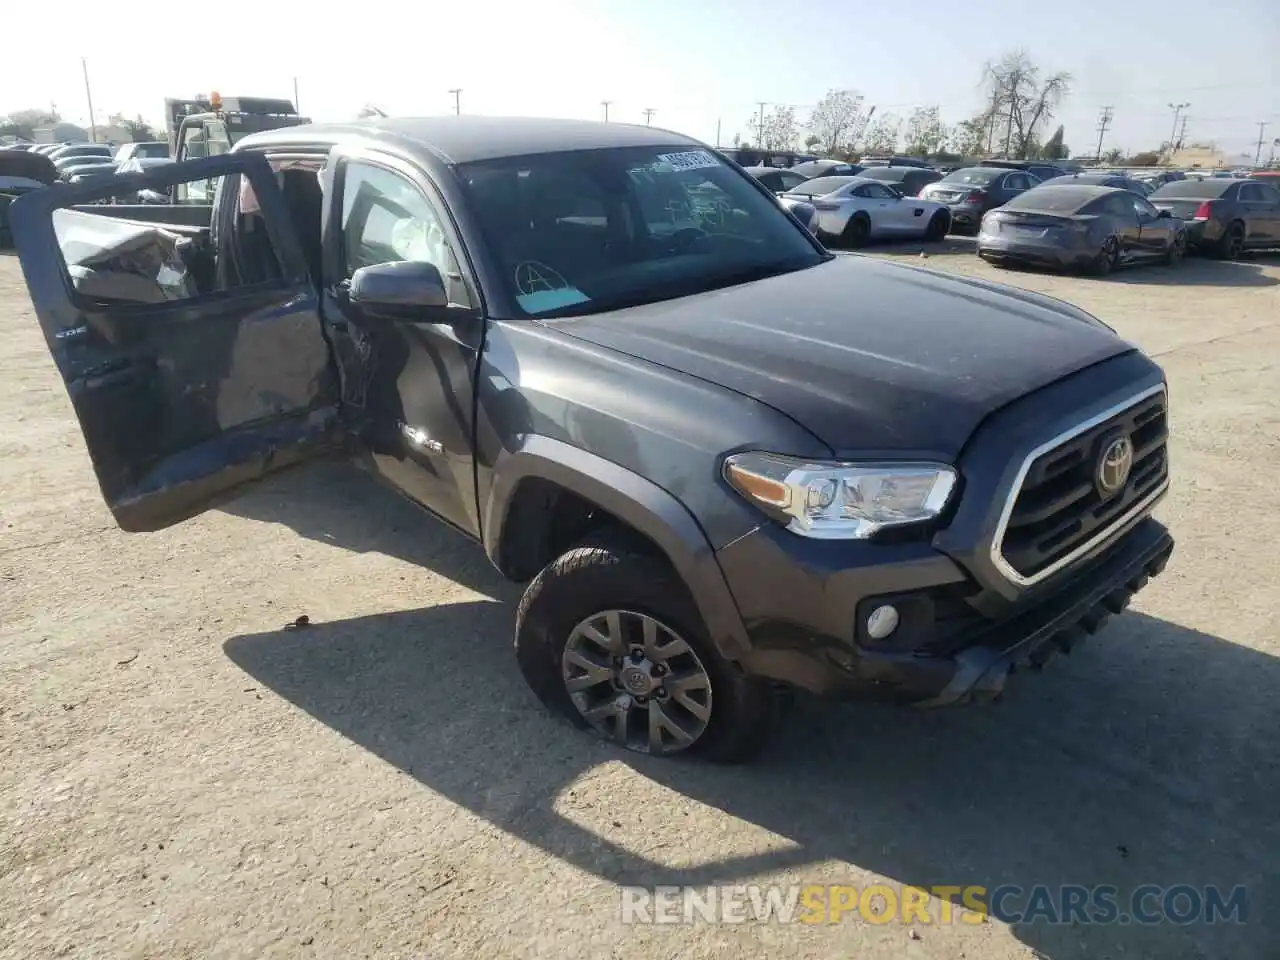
(403,288)
(1163,215)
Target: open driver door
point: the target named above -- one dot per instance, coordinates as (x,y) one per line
(188,385)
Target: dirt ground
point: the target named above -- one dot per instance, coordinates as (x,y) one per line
(180,776)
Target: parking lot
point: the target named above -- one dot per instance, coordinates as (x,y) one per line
(185,777)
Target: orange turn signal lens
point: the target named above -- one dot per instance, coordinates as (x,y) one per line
(758,487)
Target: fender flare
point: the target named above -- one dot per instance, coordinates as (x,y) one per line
(638,502)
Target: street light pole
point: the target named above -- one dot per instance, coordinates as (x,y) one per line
(1177,109)
(605,104)
(457,100)
(88,95)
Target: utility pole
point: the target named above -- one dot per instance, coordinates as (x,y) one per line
(1182,133)
(991,127)
(648,115)
(760,126)
(457,100)
(1257,157)
(88,95)
(1175,137)
(1104,121)
(605,104)
(295,96)
(717,131)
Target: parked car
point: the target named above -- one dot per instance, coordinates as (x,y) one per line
(971,191)
(1158,178)
(21,172)
(895,161)
(68,167)
(722,460)
(1224,217)
(827,168)
(1117,180)
(80,150)
(151,149)
(853,211)
(908,181)
(779,180)
(1040,169)
(1095,228)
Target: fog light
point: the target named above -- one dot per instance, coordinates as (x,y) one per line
(882,622)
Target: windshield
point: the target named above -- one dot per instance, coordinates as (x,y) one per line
(820,186)
(979,175)
(593,230)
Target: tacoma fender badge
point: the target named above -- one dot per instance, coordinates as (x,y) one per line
(418,438)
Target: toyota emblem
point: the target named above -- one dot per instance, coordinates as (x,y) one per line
(1113,466)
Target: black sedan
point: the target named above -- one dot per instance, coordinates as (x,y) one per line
(777,179)
(827,168)
(1224,217)
(907,180)
(1081,226)
(1102,180)
(971,191)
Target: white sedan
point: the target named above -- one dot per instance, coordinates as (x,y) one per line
(854,210)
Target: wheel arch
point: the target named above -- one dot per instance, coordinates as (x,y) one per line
(548,494)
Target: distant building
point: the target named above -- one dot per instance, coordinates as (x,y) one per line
(73,133)
(1202,158)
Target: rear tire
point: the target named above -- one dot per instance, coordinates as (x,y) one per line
(1231,244)
(939,224)
(1177,250)
(857,231)
(1106,259)
(606,586)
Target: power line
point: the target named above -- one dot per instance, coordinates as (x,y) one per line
(1104,121)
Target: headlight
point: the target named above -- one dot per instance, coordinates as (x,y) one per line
(841,501)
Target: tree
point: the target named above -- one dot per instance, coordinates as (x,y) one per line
(1113,156)
(837,121)
(780,130)
(925,133)
(882,134)
(1021,102)
(812,141)
(24,123)
(1055,149)
(969,137)
(139,129)
(1147,158)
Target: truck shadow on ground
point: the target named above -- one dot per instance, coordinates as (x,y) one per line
(1145,757)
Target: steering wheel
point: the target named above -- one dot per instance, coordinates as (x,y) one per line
(686,238)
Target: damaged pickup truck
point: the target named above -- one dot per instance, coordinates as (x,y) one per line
(723,458)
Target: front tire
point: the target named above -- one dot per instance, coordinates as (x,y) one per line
(857,231)
(939,224)
(609,637)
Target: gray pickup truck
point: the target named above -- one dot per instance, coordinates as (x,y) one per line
(724,459)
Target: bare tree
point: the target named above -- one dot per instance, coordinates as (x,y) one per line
(837,121)
(882,134)
(780,130)
(1022,102)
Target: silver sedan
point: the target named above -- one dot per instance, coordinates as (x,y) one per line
(855,210)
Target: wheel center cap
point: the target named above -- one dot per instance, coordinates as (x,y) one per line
(636,679)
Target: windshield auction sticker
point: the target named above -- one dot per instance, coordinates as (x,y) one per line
(690,160)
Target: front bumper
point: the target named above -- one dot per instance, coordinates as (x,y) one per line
(964,626)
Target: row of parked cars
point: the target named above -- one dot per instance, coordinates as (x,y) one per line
(77,162)
(1033,212)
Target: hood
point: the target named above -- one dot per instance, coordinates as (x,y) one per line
(868,355)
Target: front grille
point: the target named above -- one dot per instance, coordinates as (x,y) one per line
(1059,509)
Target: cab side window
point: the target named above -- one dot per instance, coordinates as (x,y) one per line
(386,218)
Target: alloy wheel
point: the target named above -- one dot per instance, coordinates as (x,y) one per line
(637,682)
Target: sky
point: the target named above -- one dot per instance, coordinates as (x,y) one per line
(701,65)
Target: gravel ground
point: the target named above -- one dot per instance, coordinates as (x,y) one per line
(181,776)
